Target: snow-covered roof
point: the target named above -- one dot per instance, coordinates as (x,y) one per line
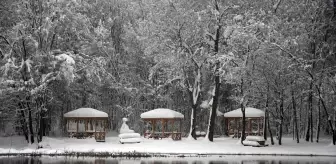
(249,112)
(86,112)
(162,113)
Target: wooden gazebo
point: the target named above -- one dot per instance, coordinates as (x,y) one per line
(86,122)
(168,119)
(254,122)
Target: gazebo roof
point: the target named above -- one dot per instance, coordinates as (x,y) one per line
(249,112)
(161,113)
(86,112)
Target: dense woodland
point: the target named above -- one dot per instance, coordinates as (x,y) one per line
(197,57)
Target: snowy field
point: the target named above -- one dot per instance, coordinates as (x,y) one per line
(220,146)
(229,159)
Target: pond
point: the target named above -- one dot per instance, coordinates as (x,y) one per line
(171,160)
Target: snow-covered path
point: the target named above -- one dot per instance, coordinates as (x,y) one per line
(165,146)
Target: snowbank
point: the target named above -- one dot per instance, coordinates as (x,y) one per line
(86,112)
(220,146)
(162,113)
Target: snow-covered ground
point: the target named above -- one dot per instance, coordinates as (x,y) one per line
(220,146)
(229,159)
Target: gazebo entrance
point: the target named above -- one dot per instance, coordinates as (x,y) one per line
(254,122)
(162,123)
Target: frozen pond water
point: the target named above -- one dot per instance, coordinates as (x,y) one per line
(172,160)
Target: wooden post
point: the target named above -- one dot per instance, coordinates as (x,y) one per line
(153,130)
(144,129)
(263,126)
(77,125)
(105,123)
(250,127)
(181,126)
(163,128)
(173,125)
(85,125)
(259,126)
(237,127)
(226,125)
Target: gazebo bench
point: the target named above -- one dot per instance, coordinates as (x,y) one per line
(80,135)
(155,136)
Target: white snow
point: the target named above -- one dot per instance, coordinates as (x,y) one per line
(66,58)
(130,140)
(233,159)
(161,113)
(126,131)
(205,104)
(255,138)
(238,18)
(129,135)
(85,112)
(249,112)
(219,113)
(191,123)
(251,143)
(124,127)
(200,133)
(17,144)
(228,31)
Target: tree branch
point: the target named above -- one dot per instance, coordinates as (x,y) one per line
(4,38)
(276,6)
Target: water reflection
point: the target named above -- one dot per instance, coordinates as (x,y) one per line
(200,160)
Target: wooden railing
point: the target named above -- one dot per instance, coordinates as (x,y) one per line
(100,136)
(160,135)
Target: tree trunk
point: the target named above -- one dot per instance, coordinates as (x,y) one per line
(311,118)
(318,121)
(25,75)
(213,112)
(309,133)
(269,129)
(192,131)
(30,124)
(266,115)
(310,98)
(308,128)
(329,117)
(194,95)
(265,124)
(24,125)
(296,131)
(242,107)
(281,120)
(41,131)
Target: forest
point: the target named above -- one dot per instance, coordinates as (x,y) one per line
(198,57)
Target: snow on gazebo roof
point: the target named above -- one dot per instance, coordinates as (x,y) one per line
(249,112)
(161,113)
(86,112)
